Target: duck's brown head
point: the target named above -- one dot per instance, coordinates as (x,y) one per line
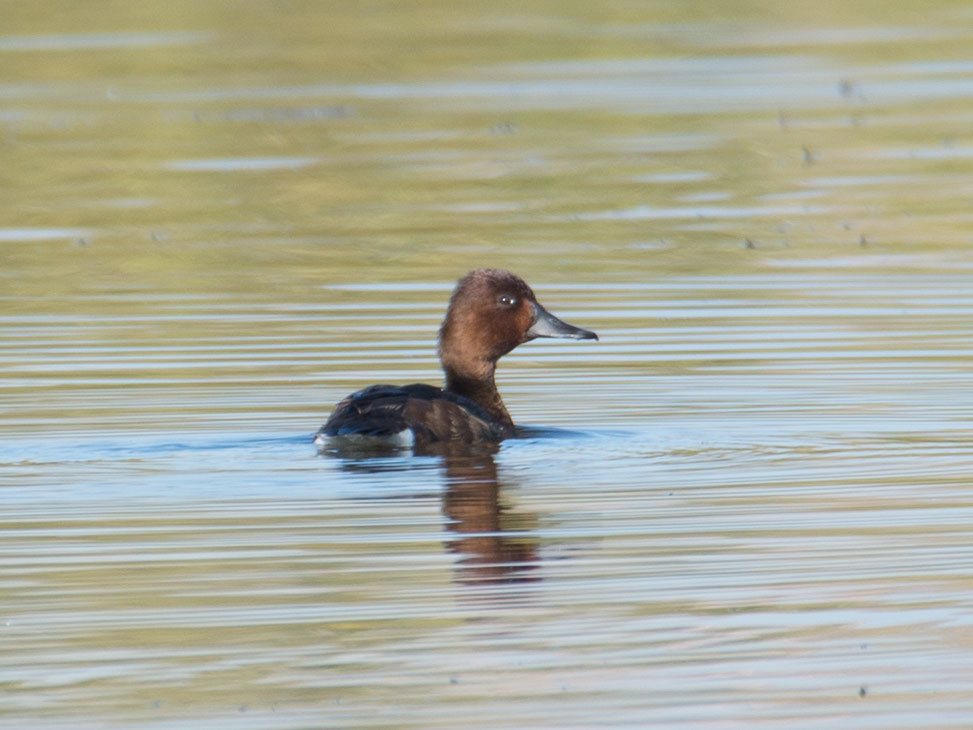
(490,312)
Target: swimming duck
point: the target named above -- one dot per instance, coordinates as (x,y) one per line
(490,312)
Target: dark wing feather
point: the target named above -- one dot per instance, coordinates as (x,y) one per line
(374,411)
(432,414)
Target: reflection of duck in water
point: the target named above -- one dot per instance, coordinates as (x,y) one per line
(472,501)
(489,314)
(493,545)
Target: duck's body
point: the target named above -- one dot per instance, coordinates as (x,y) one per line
(490,313)
(409,414)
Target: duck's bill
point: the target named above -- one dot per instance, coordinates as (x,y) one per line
(547,325)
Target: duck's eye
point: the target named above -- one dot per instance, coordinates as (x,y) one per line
(506,300)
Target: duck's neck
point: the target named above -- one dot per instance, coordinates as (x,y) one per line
(482,390)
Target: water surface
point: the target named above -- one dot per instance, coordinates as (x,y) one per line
(746,506)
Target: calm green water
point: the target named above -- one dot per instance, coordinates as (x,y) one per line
(747,506)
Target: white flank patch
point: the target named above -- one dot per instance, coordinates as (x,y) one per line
(404,439)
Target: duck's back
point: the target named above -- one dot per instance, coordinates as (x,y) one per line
(423,413)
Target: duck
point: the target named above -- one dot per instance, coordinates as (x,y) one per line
(490,312)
